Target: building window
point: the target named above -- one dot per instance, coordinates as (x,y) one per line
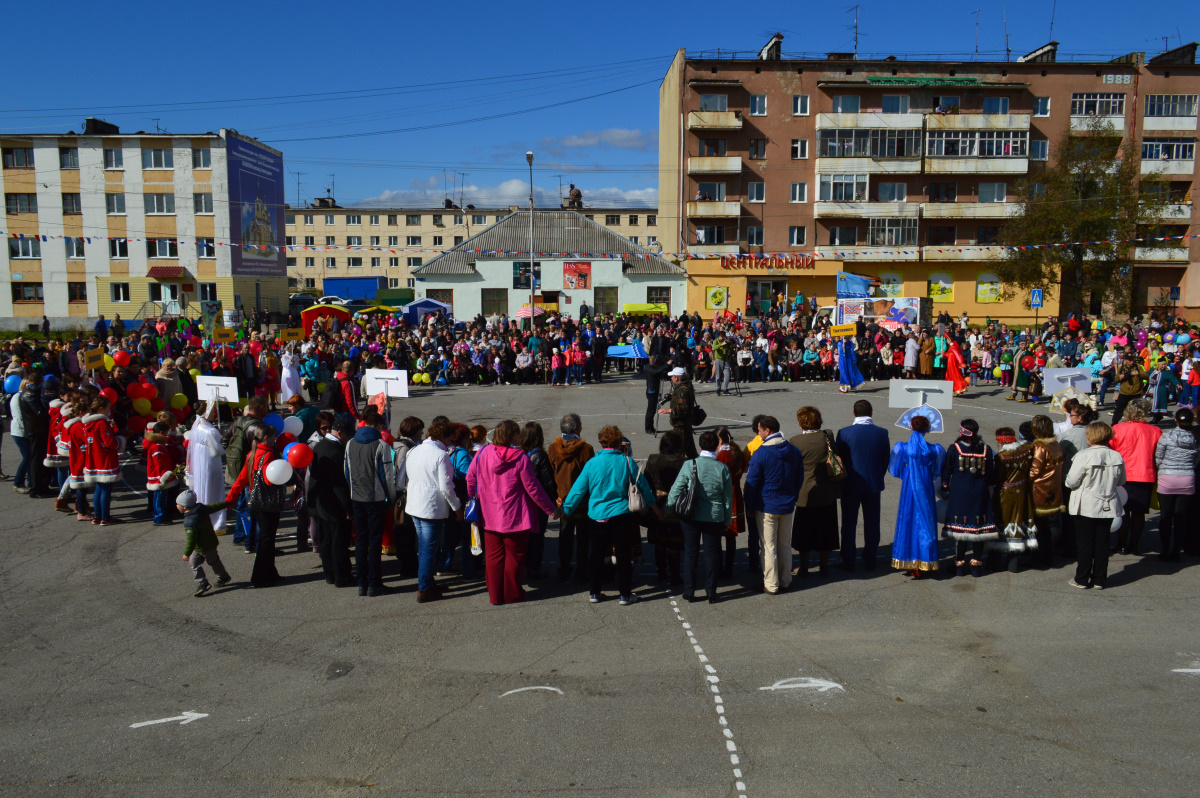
(331,263)
(943,192)
(458,218)
(374,219)
(758,148)
(658,295)
(799,149)
(710,192)
(68,157)
(633,239)
(458,240)
(712,147)
(202,203)
(995,105)
(77,292)
(891,232)
(895,103)
(201,158)
(412,241)
(1039,150)
(393,263)
(651,241)
(72,203)
(799,192)
(158,158)
(208,292)
(437,241)
(374,241)
(988,234)
(754,235)
(1097,104)
(415,219)
(758,105)
(74,247)
(710,102)
(118,292)
(633,219)
(310,282)
(308,220)
(1168,149)
(18,157)
(797,236)
(843,188)
(330,241)
(354,219)
(310,241)
(993,192)
(24,248)
(612,219)
(410,282)
(329,220)
(206,248)
(950,143)
(118,249)
(114,204)
(159,203)
(941,235)
(846,104)
(393,282)
(393,241)
(892,192)
(500,217)
(651,220)
(20,203)
(494,301)
(710,234)
(354,241)
(27,292)
(162,248)
(114,158)
(756,192)
(843,236)
(376,263)
(289,218)
(437,219)
(1170,105)
(414,262)
(1041,106)
(392,219)
(310,263)
(799,105)
(1003,143)
(478,219)
(353,263)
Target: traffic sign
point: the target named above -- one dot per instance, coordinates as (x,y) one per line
(1035,298)
(1174,293)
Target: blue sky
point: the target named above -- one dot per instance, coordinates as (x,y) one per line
(464,88)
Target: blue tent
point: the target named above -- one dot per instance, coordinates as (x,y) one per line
(633,350)
(415,311)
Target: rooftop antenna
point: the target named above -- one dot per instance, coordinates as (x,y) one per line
(976,13)
(332,190)
(1007,49)
(298,184)
(560,196)
(855,28)
(1053,11)
(157,127)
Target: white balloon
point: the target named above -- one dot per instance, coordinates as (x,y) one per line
(187,436)
(293,425)
(1123,495)
(1116,524)
(279,472)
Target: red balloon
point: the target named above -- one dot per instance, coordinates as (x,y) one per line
(180,413)
(157,405)
(134,390)
(195,341)
(110,395)
(121,357)
(138,424)
(283,439)
(1028,362)
(300,456)
(149,390)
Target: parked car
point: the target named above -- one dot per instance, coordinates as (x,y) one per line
(331,300)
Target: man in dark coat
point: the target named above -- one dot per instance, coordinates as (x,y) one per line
(329,502)
(865,449)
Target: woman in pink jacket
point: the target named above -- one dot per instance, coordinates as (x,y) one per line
(1136,440)
(503,479)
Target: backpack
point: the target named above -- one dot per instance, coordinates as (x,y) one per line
(333,398)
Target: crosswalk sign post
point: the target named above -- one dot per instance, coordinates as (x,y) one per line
(1035,302)
(1174,299)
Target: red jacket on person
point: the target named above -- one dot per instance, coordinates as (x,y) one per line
(75,436)
(161,459)
(100,459)
(347,386)
(55,458)
(256,464)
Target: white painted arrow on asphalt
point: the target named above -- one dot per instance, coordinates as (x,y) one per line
(186,718)
(801,682)
(1186,670)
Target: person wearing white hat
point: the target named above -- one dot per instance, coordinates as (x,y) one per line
(683,404)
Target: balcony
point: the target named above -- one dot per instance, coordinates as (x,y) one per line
(1162,254)
(869,166)
(1169,167)
(714,210)
(862,253)
(935,165)
(969,210)
(714,120)
(714,165)
(1169,123)
(977,122)
(866,209)
(713,249)
(1082,124)
(871,120)
(955,252)
(1174,212)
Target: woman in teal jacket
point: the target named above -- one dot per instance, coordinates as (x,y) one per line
(604,485)
(709,516)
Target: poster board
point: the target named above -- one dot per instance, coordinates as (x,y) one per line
(224,335)
(907,393)
(843,330)
(1054,380)
(393,382)
(291,335)
(218,389)
(93,359)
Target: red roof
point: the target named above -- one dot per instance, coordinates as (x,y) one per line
(165,272)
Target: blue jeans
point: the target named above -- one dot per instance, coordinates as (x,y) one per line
(159,499)
(25,446)
(246,533)
(429,532)
(102,499)
(1105,385)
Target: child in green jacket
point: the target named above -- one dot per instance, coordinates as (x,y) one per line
(201,540)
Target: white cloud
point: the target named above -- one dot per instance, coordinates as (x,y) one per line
(613,137)
(422,193)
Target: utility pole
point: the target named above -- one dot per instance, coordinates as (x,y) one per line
(1053,11)
(1007,49)
(976,13)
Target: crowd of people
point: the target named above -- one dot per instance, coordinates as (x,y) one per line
(456,501)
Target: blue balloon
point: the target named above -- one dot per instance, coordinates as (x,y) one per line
(1183,338)
(286,448)
(12,383)
(275,421)
(441,380)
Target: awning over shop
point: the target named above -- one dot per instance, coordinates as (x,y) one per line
(646,308)
(165,272)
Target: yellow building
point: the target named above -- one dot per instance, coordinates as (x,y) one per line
(141,225)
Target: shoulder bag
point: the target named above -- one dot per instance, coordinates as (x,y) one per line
(263,497)
(698,415)
(835,469)
(686,503)
(637,502)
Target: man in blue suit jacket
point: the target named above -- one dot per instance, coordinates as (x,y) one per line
(864,449)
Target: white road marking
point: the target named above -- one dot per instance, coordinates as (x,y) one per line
(802,682)
(523,689)
(1186,670)
(186,718)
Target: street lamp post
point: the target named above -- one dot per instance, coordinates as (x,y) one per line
(532,281)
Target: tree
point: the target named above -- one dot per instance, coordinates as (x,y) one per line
(1093,195)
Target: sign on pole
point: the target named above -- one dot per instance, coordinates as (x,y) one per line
(224,335)
(1174,293)
(911,393)
(217,389)
(1035,298)
(843,330)
(291,334)
(1055,380)
(392,382)
(93,359)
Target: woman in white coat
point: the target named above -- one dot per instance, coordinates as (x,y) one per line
(1096,474)
(289,367)
(430,500)
(205,474)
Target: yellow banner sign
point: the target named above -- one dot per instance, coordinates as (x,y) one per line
(843,330)
(291,335)
(224,335)
(93,359)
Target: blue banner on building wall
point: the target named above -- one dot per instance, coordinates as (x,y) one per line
(852,286)
(255,209)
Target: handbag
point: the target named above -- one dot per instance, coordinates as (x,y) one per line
(698,415)
(835,469)
(687,499)
(263,497)
(472,512)
(637,502)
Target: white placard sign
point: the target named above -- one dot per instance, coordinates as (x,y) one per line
(911,393)
(1054,380)
(220,389)
(392,382)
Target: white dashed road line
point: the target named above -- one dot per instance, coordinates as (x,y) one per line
(714,680)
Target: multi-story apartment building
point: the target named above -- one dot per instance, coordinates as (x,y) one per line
(905,170)
(332,241)
(139,224)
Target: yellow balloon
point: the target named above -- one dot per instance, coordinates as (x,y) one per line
(194,372)
(321,387)
(141,406)
(179,401)
(425,379)
(108,362)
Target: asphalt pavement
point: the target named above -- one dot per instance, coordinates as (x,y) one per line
(855,684)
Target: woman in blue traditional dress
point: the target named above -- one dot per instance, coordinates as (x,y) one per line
(967,481)
(848,371)
(918,465)
(1164,386)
